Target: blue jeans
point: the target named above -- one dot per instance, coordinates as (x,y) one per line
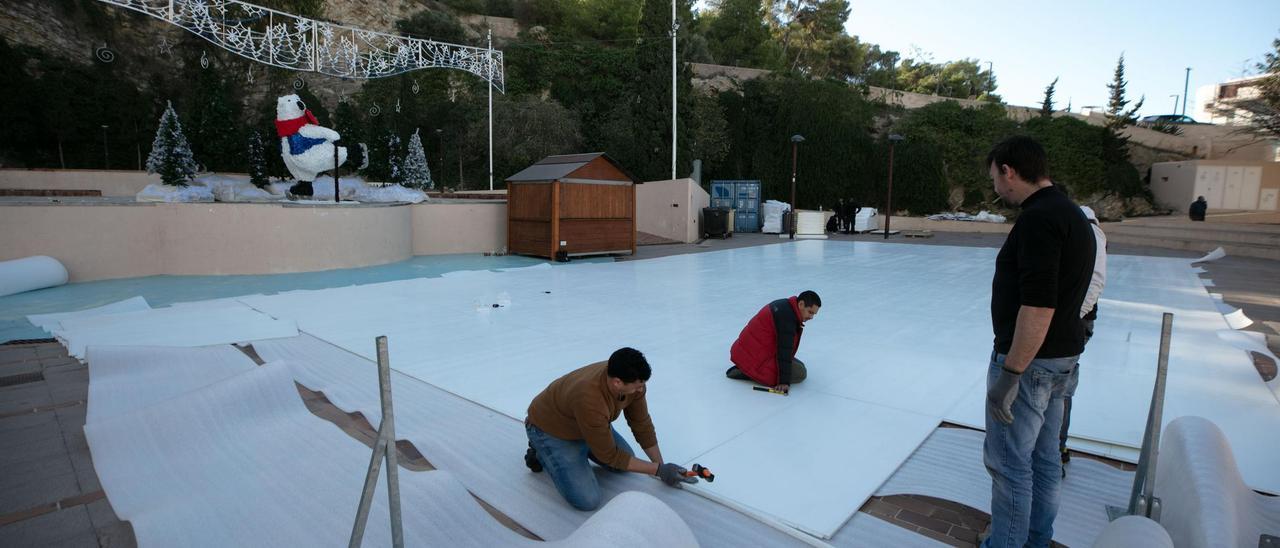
(1023,457)
(567,463)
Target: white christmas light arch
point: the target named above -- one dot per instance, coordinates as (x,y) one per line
(293,42)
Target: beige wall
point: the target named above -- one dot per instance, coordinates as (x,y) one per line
(440,228)
(110,183)
(671,209)
(1173,184)
(922,223)
(123,241)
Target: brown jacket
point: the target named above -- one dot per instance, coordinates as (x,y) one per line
(579,406)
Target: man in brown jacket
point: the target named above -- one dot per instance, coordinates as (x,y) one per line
(569,424)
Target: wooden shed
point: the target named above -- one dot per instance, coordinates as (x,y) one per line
(579,204)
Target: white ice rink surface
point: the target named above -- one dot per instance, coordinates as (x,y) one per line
(901,343)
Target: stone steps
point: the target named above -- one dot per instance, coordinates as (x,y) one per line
(1191,243)
(1217,234)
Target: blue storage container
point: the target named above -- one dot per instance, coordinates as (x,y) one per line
(741,196)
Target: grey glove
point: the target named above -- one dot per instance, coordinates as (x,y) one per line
(672,474)
(1001,394)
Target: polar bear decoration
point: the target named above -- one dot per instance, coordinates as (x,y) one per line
(306,147)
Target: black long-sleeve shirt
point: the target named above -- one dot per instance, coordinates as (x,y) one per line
(1047,261)
(787,327)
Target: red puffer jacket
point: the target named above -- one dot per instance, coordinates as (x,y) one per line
(769,342)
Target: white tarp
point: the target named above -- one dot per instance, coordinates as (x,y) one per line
(926,353)
(479,447)
(50,322)
(241,462)
(949,466)
(194,325)
(124,378)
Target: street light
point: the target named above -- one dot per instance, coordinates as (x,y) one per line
(106,159)
(440,137)
(888,210)
(1175,103)
(1185,84)
(795,140)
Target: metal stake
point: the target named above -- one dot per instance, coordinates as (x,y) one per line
(1142,501)
(384,446)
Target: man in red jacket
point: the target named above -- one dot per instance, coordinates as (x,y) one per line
(765,350)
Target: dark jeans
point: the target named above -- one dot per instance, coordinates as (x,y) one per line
(1066,402)
(798,373)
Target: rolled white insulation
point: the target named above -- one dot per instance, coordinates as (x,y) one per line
(30,273)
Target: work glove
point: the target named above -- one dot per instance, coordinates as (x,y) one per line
(672,474)
(1000,396)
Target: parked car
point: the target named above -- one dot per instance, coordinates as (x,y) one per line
(1166,119)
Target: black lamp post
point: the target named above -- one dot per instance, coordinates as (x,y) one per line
(795,140)
(106,158)
(888,209)
(440,136)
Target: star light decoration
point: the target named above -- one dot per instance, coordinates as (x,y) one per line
(292,42)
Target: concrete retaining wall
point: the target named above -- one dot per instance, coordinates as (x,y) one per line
(110,183)
(102,241)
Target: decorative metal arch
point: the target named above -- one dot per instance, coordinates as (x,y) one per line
(292,42)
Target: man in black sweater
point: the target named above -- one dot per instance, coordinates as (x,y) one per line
(1042,275)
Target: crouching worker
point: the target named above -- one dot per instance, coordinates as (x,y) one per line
(569,424)
(765,350)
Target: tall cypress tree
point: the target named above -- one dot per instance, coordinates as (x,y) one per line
(651,112)
(1046,106)
(1117,116)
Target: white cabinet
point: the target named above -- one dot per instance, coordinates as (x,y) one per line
(1249,187)
(1268,201)
(1209,181)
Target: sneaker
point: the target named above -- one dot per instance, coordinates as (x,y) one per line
(531,460)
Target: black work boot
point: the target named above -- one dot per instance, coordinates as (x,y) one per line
(531,460)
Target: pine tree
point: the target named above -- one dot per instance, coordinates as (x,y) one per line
(1046,106)
(1117,116)
(393,158)
(257,160)
(170,154)
(213,111)
(415,172)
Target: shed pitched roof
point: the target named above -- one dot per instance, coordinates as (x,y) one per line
(560,166)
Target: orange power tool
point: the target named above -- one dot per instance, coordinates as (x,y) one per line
(700,471)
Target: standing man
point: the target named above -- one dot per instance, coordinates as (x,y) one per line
(765,350)
(1198,209)
(1088,315)
(569,424)
(1042,275)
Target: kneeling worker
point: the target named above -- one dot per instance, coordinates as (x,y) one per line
(765,350)
(569,423)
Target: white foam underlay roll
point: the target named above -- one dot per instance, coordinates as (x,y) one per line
(30,273)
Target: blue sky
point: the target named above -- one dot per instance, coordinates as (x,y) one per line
(1032,42)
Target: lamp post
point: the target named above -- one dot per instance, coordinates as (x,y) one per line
(795,140)
(888,209)
(1185,84)
(440,137)
(1175,103)
(106,158)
